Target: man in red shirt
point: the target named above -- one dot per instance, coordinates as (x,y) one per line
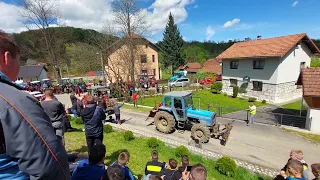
(135,96)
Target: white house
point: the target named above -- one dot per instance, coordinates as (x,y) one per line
(309,79)
(267,68)
(32,73)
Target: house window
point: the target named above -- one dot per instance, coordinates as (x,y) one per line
(144,72)
(234,64)
(154,72)
(233,82)
(257,85)
(302,65)
(143,59)
(153,58)
(258,64)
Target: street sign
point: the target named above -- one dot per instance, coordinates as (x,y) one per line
(246,79)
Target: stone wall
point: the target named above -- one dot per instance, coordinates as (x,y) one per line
(275,93)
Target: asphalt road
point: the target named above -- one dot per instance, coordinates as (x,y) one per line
(263,145)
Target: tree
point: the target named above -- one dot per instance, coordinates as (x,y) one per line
(41,15)
(130,20)
(171,46)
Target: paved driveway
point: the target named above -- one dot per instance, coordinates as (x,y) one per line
(263,145)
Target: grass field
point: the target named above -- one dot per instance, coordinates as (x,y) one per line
(295,108)
(140,154)
(207,98)
(315,138)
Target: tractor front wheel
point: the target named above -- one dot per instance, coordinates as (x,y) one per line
(164,122)
(200,132)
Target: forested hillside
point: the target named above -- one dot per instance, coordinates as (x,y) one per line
(76,46)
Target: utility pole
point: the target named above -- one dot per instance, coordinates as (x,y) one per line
(102,67)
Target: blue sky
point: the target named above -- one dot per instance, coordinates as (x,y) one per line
(197,19)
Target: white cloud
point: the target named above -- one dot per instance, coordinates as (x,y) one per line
(85,14)
(209,32)
(158,17)
(10,18)
(195,6)
(295,4)
(229,24)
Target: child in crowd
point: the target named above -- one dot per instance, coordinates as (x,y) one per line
(315,168)
(92,168)
(154,166)
(168,173)
(295,169)
(113,173)
(297,155)
(123,160)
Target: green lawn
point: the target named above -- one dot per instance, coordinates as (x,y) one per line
(208,98)
(140,154)
(295,108)
(315,138)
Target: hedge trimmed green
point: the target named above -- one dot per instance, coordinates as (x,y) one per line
(128,136)
(181,151)
(226,166)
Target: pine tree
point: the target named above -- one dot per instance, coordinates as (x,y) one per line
(171,46)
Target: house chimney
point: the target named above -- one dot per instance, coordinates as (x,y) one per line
(259,37)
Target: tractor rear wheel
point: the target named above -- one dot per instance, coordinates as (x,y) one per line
(164,122)
(200,132)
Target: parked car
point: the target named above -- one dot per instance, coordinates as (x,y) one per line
(206,81)
(180,82)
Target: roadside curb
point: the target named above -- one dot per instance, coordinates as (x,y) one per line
(203,152)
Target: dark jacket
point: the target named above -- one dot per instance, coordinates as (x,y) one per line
(178,173)
(168,173)
(154,167)
(92,117)
(87,171)
(29,146)
(127,172)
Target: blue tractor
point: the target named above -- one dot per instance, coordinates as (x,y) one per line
(177,111)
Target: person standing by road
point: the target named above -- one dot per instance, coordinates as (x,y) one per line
(92,116)
(116,110)
(56,112)
(29,148)
(135,97)
(252,111)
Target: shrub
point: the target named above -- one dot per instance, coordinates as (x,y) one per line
(153,142)
(264,101)
(252,99)
(241,98)
(217,86)
(235,91)
(70,118)
(242,91)
(226,166)
(78,120)
(107,128)
(214,91)
(225,94)
(128,136)
(181,151)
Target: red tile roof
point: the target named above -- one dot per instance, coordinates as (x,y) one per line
(191,67)
(270,47)
(309,79)
(212,66)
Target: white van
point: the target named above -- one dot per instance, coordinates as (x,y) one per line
(180,82)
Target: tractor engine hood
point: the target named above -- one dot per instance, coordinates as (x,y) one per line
(203,116)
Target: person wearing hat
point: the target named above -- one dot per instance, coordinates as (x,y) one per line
(154,167)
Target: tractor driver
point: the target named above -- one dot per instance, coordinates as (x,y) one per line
(178,106)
